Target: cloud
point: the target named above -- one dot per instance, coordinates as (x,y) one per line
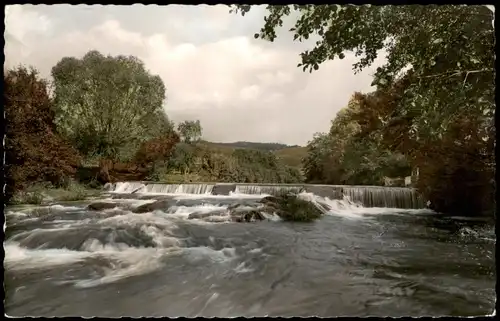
(238,87)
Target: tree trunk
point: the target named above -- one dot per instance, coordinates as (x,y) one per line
(103,176)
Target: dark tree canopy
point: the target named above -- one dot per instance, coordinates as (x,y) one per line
(434,101)
(34,152)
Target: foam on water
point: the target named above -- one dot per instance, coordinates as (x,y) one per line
(117,244)
(184,211)
(16,213)
(369,196)
(125,260)
(266,189)
(196,254)
(232,195)
(59,207)
(17,257)
(129,201)
(351,210)
(243,268)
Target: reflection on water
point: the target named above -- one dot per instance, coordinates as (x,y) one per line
(355,261)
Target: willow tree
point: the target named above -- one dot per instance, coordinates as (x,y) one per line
(104,104)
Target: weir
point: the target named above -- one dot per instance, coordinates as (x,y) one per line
(266,189)
(368,196)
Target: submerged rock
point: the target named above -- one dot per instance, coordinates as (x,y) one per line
(124,196)
(158,205)
(99,206)
(246,215)
(269,200)
(198,215)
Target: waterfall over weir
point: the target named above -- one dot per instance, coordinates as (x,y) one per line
(266,189)
(368,196)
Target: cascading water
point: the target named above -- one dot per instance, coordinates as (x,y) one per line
(367,196)
(390,197)
(186,255)
(266,189)
(127,187)
(195,189)
(161,188)
(158,188)
(370,196)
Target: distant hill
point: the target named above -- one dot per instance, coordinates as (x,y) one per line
(291,155)
(260,146)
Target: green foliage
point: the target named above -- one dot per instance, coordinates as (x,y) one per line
(46,192)
(255,145)
(34,152)
(208,163)
(292,156)
(344,157)
(255,166)
(34,197)
(292,208)
(106,104)
(183,157)
(157,172)
(190,131)
(435,94)
(73,192)
(449,50)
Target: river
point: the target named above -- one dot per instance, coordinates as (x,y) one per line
(65,260)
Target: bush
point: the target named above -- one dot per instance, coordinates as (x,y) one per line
(40,192)
(34,152)
(24,197)
(73,192)
(157,172)
(292,208)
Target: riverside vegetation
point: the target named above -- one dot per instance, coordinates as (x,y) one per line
(432,109)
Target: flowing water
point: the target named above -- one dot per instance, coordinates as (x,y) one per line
(65,260)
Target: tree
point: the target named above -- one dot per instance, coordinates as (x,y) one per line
(317,161)
(345,155)
(439,74)
(183,157)
(34,152)
(104,104)
(158,149)
(448,49)
(190,130)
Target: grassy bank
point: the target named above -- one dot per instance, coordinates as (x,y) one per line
(43,193)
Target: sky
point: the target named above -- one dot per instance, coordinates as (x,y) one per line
(240,88)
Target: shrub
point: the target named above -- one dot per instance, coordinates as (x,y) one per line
(34,152)
(73,192)
(292,208)
(24,197)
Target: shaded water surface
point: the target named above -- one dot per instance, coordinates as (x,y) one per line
(64,260)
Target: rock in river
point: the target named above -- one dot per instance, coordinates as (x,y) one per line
(99,206)
(198,215)
(158,205)
(246,215)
